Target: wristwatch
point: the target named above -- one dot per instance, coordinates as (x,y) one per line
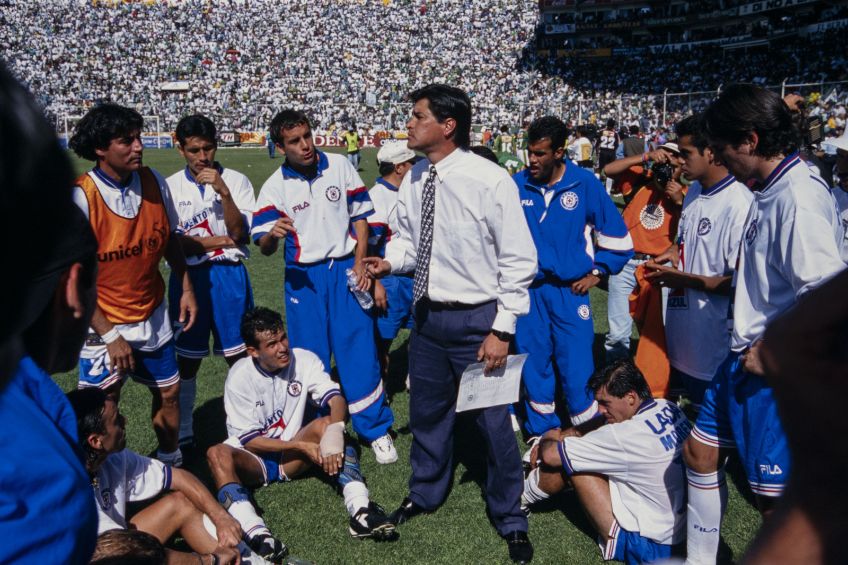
(503,336)
(597,272)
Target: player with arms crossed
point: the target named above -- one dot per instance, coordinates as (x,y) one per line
(790,245)
(215,206)
(269,397)
(132,215)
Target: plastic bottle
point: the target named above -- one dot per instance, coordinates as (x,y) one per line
(363,297)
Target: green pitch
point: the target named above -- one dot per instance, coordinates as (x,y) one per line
(310,517)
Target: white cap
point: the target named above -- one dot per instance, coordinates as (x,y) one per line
(671,147)
(395,152)
(840,142)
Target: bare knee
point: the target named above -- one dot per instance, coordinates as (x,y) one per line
(700,457)
(219,456)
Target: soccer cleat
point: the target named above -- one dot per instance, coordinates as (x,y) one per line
(384,449)
(372,522)
(532,442)
(268,547)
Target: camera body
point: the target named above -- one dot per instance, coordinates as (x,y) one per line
(663,172)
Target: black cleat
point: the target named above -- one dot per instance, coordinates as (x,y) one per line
(372,522)
(520,548)
(406,511)
(269,548)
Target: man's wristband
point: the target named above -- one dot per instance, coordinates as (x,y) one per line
(503,336)
(111,336)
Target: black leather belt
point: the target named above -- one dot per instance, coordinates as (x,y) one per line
(643,256)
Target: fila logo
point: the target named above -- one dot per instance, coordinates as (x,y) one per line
(526,202)
(260,403)
(771,469)
(300,207)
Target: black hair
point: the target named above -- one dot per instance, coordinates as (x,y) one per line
(128,547)
(287,119)
(100,126)
(88,404)
(385,168)
(548,127)
(259,320)
(693,126)
(619,378)
(610,123)
(634,130)
(484,152)
(448,102)
(196,125)
(743,109)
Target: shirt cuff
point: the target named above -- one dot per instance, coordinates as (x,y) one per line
(504,322)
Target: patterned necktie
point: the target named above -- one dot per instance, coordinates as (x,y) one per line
(425,243)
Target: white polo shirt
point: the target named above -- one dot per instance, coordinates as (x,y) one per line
(322,209)
(842,202)
(259,403)
(201,212)
(790,245)
(708,237)
(384,196)
(642,459)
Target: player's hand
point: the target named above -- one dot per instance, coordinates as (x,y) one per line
(188,308)
(282,227)
(492,353)
(535,451)
(227,555)
(674,190)
(795,102)
(583,285)
(752,359)
(311,450)
(227,529)
(380,299)
(665,276)
(375,267)
(121,356)
(670,255)
(332,464)
(659,156)
(211,176)
(362,280)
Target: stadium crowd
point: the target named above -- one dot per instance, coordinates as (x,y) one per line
(335,62)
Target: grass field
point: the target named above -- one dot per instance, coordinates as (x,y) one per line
(310,517)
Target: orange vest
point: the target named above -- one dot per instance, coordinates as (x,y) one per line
(651,354)
(129,285)
(651,218)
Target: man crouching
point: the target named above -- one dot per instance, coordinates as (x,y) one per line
(628,474)
(271,439)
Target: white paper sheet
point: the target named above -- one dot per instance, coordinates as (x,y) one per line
(499,387)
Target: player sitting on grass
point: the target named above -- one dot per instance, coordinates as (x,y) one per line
(119,476)
(628,474)
(271,438)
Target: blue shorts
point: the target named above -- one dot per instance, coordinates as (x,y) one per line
(399,314)
(633,548)
(223,295)
(154,369)
(739,410)
(272,467)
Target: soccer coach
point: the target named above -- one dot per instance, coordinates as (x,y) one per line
(454,212)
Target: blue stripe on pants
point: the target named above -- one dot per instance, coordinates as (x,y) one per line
(443,343)
(324,317)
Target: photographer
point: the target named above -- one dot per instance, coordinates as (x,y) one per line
(653,197)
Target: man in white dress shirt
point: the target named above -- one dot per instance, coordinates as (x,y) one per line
(461,229)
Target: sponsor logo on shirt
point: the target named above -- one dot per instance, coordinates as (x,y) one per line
(302,206)
(569,200)
(333,193)
(751,233)
(584,312)
(652,216)
(152,243)
(526,202)
(771,469)
(295,388)
(704,226)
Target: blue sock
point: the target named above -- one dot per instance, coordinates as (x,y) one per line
(232,492)
(350,469)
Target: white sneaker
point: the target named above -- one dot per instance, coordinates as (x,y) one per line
(384,450)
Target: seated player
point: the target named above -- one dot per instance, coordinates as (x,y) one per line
(628,473)
(119,475)
(266,397)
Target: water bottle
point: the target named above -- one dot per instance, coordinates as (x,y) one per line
(363,297)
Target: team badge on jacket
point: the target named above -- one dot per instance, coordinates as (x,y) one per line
(295,388)
(751,233)
(333,193)
(583,311)
(569,200)
(704,226)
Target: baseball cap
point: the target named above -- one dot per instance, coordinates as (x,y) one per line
(840,142)
(670,147)
(395,152)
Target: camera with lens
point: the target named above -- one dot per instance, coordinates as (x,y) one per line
(663,172)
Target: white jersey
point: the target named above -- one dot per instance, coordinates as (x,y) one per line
(384,196)
(580,150)
(258,403)
(155,331)
(842,203)
(790,245)
(322,209)
(642,459)
(708,237)
(125,477)
(201,211)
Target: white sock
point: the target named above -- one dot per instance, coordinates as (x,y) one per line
(245,514)
(707,502)
(355,496)
(210,527)
(532,492)
(188,390)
